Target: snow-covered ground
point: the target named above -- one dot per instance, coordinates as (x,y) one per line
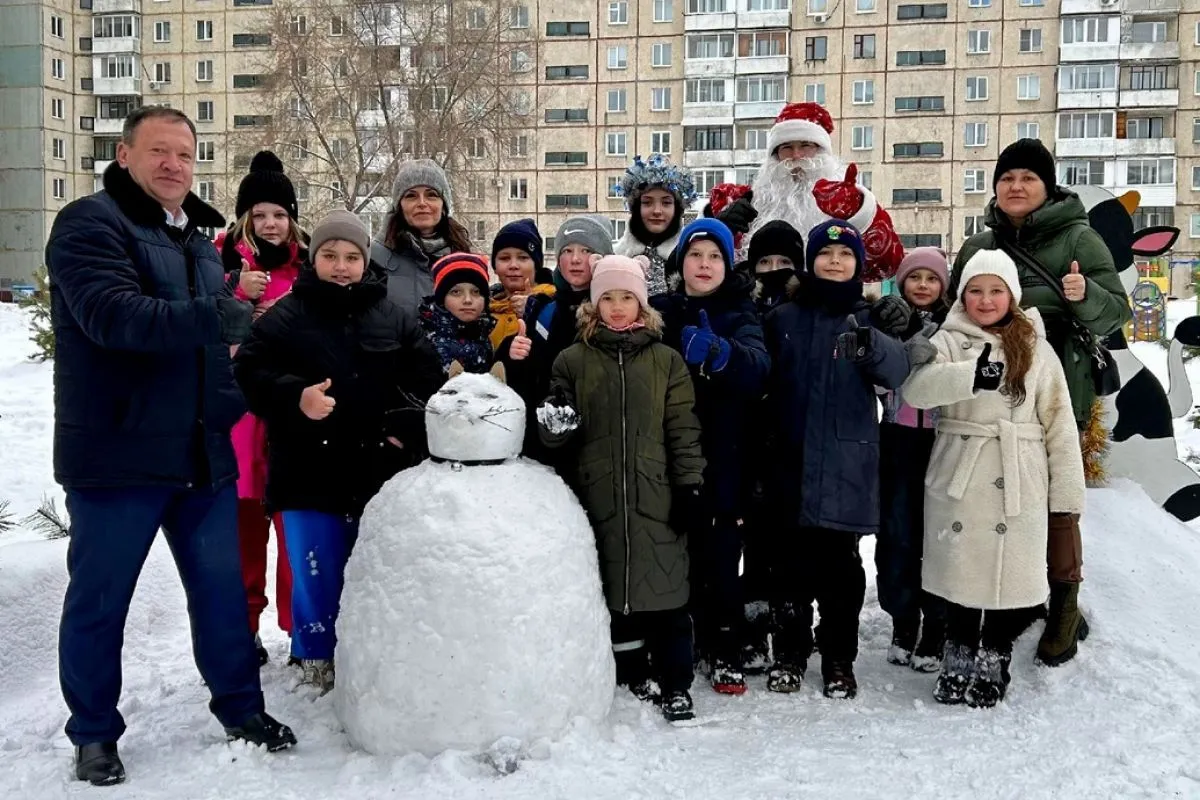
(1121,721)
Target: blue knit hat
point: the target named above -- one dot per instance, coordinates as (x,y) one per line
(834,231)
(711,229)
(523,235)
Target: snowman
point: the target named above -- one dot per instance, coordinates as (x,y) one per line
(472,612)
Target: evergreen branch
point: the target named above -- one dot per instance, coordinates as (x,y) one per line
(7,520)
(47,521)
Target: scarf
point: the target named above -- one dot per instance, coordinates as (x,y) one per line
(434,247)
(455,340)
(271,256)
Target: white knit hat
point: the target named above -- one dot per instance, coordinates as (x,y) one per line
(992,262)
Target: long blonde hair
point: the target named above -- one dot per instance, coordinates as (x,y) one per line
(243,229)
(588,320)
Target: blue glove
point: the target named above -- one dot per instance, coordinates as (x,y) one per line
(703,347)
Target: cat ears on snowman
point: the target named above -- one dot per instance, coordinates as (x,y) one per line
(497,371)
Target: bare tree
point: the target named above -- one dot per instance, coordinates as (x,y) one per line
(354,87)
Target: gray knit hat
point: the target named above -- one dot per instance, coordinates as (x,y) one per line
(422,172)
(588,230)
(341,224)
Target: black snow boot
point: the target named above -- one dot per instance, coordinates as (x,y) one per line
(756,653)
(840,682)
(264,731)
(904,640)
(677,706)
(785,678)
(928,655)
(647,691)
(991,680)
(958,667)
(99,764)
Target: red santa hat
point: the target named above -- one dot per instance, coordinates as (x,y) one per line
(801,122)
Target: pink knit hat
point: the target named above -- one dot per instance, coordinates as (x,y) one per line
(621,273)
(930,258)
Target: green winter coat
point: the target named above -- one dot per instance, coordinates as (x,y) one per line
(1057,234)
(638,437)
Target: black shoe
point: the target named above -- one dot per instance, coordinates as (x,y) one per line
(928,655)
(958,668)
(99,764)
(785,679)
(991,679)
(726,678)
(904,640)
(677,706)
(263,658)
(840,682)
(264,731)
(647,691)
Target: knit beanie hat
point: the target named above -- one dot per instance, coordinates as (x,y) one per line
(266,183)
(587,230)
(930,258)
(421,172)
(456,268)
(523,235)
(991,262)
(621,273)
(341,224)
(1028,154)
(706,228)
(835,231)
(776,238)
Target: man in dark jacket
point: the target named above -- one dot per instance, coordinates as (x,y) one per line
(144,402)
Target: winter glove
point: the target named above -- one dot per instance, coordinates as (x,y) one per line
(854,344)
(687,510)
(891,314)
(235,317)
(920,350)
(987,373)
(702,347)
(556,416)
(738,216)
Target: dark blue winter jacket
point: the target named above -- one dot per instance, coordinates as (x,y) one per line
(723,397)
(825,470)
(143,388)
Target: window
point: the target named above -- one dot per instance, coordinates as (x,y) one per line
(761,44)
(1145,128)
(616,100)
(714,138)
(660,55)
(660,142)
(1087,77)
(862,137)
(1194,231)
(251,39)
(864,6)
(58,148)
(204,70)
(56,27)
(476,18)
(704,90)
(1150,77)
(614,144)
(475,188)
(566,201)
(864,45)
(568,29)
(1032,3)
(58,108)
(911,240)
(921,103)
(518,146)
(87,85)
(339,148)
(162,31)
(865,178)
(979,3)
(761,89)
(298,25)
(618,13)
(87,124)
(60,188)
(1031,40)
(918,150)
(707,178)
(519,61)
(341,67)
(518,17)
(973,225)
(301,187)
(706,6)
(1029,130)
(567,72)
(116,67)
(573,114)
(58,68)
(206,190)
(162,72)
(618,57)
(1029,87)
(566,158)
(664,10)
(1148,32)
(205,151)
(902,196)
(815,48)
(755,138)
(1195,178)
(1094,125)
(335,190)
(660,98)
(977,88)
(768,5)
(204,111)
(979,42)
(113,27)
(1085,30)
(863,92)
(614,188)
(710,45)
(518,189)
(204,29)
(1196,130)
(476,147)
(1151,172)
(814,93)
(922,11)
(975,181)
(818,6)
(1081,173)
(975,134)
(1151,216)
(916,58)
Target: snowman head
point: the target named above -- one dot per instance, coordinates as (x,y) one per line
(475,418)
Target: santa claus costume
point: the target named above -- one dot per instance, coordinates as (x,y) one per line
(805,191)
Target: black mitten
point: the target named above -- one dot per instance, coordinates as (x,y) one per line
(987,373)
(854,344)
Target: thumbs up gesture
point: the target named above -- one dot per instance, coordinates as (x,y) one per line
(521,344)
(987,372)
(1074,285)
(314,403)
(853,343)
(703,348)
(252,282)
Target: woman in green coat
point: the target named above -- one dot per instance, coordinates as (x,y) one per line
(1050,222)
(623,401)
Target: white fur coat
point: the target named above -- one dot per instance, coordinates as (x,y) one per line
(996,472)
(630,246)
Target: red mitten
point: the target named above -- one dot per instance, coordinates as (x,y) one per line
(723,194)
(883,248)
(840,199)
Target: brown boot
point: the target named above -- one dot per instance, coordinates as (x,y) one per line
(1065,625)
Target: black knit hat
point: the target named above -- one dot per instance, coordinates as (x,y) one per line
(776,238)
(266,183)
(1028,154)
(523,235)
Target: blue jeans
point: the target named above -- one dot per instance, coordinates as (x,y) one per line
(319,545)
(111,534)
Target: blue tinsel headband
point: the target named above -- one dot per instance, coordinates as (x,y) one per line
(657,172)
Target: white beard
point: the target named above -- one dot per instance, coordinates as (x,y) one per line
(781,194)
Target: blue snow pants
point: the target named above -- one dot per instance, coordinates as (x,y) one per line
(319,546)
(111,534)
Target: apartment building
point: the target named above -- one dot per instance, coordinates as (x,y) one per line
(924,96)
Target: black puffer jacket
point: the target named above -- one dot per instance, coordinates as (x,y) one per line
(382,370)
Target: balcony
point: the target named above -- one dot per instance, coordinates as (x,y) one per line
(707,114)
(1149,98)
(1085,148)
(764,19)
(1089,51)
(709,22)
(116,44)
(1150,51)
(116,6)
(1086,7)
(694,159)
(107,127)
(760,110)
(1163,195)
(1100,98)
(754,65)
(749,157)
(1145,147)
(1152,6)
(117,86)
(708,67)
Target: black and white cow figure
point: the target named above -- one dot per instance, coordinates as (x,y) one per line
(1140,416)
